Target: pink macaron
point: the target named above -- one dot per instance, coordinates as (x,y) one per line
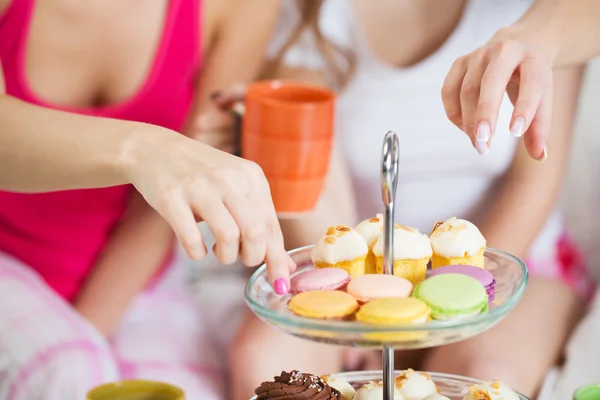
(319,279)
(369,287)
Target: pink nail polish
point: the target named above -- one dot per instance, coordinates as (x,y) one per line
(281,286)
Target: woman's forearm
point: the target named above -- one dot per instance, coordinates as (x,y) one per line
(46,150)
(137,250)
(567,31)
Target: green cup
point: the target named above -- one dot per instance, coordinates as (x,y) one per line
(588,392)
(136,390)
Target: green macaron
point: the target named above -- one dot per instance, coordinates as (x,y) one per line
(452,296)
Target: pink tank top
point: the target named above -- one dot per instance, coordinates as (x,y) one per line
(61,234)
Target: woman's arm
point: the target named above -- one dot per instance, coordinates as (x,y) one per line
(235,57)
(137,249)
(46,150)
(530,190)
(567,31)
(519,60)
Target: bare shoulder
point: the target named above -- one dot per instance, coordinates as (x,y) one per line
(253,13)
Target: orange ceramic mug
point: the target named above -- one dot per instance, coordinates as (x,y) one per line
(287,129)
(136,390)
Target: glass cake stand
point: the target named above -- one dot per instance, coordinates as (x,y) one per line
(509,272)
(511,278)
(452,386)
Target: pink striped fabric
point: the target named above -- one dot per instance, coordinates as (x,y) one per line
(48,352)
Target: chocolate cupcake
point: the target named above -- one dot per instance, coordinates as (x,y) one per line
(297,386)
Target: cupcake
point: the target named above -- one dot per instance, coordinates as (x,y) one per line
(297,386)
(494,390)
(341,386)
(374,391)
(412,252)
(415,385)
(370,229)
(342,247)
(436,396)
(457,241)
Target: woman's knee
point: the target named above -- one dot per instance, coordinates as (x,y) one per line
(64,371)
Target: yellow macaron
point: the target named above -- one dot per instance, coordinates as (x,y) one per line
(394,310)
(391,311)
(323,304)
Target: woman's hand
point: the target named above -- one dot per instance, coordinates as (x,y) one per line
(216,126)
(186,181)
(474,88)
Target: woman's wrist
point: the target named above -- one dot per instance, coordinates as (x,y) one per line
(140,144)
(541,39)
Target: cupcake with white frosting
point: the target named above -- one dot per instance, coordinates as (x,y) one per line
(370,229)
(457,242)
(342,386)
(414,385)
(374,391)
(412,252)
(342,247)
(494,390)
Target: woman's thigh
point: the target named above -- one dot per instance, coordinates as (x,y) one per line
(524,346)
(163,337)
(47,351)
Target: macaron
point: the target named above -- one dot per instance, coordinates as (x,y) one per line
(484,276)
(323,304)
(319,279)
(394,310)
(369,287)
(452,296)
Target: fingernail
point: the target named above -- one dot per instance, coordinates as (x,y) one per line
(482,148)
(544,156)
(281,286)
(518,127)
(483,132)
(482,138)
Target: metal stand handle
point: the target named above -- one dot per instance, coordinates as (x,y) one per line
(389,182)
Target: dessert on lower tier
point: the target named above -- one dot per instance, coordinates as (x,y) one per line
(452,296)
(297,386)
(319,279)
(374,391)
(341,247)
(370,229)
(346,389)
(484,276)
(415,385)
(324,304)
(412,251)
(408,385)
(493,390)
(457,241)
(370,287)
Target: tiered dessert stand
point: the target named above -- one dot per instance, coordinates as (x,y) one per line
(509,272)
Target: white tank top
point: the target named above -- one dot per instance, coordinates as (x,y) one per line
(441,175)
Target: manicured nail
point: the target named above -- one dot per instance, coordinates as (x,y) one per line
(482,138)
(483,132)
(482,148)
(544,156)
(518,127)
(281,286)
